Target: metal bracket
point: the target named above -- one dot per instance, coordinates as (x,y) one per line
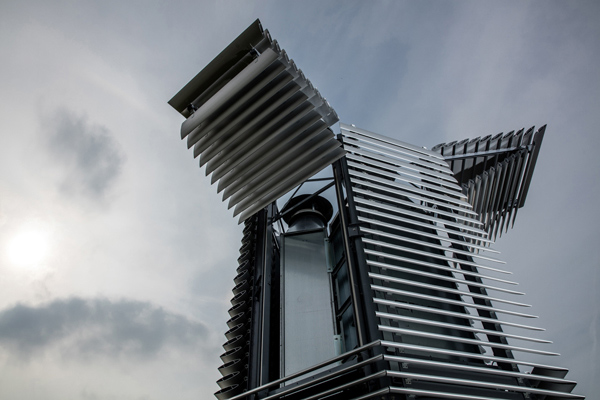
(354,230)
(329,255)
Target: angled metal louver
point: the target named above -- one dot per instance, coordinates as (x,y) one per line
(421,239)
(495,172)
(256,122)
(235,358)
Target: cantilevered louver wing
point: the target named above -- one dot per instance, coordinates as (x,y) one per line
(257,124)
(495,173)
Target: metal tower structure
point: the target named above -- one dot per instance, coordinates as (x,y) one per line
(365,269)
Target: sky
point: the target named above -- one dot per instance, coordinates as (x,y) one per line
(116,254)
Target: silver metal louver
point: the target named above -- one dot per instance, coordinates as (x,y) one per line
(430,280)
(256,122)
(495,173)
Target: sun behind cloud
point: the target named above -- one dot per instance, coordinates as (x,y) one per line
(28,247)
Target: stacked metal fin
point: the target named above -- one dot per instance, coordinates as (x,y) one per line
(495,173)
(256,122)
(235,358)
(443,335)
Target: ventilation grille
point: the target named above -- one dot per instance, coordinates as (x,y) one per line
(495,173)
(256,122)
(422,242)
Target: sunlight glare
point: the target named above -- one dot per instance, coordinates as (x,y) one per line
(28,248)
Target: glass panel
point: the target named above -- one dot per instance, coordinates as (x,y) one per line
(342,285)
(349,330)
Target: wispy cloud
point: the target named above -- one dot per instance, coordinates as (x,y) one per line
(84,328)
(89,155)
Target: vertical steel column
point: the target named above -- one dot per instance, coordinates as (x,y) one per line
(262,264)
(362,294)
(265,295)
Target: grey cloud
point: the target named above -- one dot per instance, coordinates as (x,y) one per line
(88,153)
(92,327)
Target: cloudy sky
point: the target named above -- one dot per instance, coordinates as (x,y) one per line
(116,255)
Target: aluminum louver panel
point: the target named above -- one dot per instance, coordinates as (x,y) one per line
(256,122)
(424,378)
(496,173)
(235,358)
(422,241)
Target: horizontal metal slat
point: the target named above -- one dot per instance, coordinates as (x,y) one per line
(328,376)
(453,338)
(465,328)
(428,218)
(305,372)
(373,395)
(465,219)
(413,188)
(436,236)
(352,130)
(441,277)
(406,347)
(384,163)
(472,368)
(463,340)
(427,224)
(444,289)
(416,157)
(491,385)
(407,306)
(347,385)
(414,185)
(392,157)
(448,395)
(437,266)
(440,395)
(381,243)
(415,295)
(430,245)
